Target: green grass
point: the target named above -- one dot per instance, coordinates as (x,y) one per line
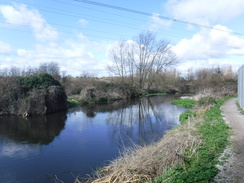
(239,108)
(72,103)
(201,167)
(188,103)
(184,116)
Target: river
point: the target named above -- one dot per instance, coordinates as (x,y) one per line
(75,143)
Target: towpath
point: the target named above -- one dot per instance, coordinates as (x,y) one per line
(234,172)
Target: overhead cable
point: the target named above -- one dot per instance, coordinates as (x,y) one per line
(150,14)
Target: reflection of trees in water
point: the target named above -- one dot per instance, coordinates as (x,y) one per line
(91,110)
(144,122)
(140,121)
(33,130)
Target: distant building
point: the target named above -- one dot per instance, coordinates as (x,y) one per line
(241,86)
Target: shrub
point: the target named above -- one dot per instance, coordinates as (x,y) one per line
(41,81)
(47,80)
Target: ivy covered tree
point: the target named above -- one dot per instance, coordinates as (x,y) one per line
(41,81)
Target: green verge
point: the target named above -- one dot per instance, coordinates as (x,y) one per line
(188,103)
(201,167)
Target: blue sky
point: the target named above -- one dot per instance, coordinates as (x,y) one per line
(77,35)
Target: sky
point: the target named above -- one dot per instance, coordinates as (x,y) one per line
(77,35)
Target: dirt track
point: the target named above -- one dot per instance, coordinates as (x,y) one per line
(233,171)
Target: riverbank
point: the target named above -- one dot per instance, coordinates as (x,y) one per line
(103,93)
(31,95)
(188,153)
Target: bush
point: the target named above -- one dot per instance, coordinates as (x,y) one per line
(41,81)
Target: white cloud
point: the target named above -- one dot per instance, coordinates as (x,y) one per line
(210,48)
(83,22)
(210,43)
(20,15)
(234,63)
(15,150)
(157,22)
(73,56)
(5,48)
(205,11)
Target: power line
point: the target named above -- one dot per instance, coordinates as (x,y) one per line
(150,14)
(99,19)
(83,29)
(97,10)
(94,18)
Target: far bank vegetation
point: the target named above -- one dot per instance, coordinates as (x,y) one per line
(138,66)
(221,81)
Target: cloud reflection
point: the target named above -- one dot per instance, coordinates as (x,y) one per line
(11,149)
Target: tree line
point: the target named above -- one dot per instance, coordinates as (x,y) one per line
(51,68)
(144,62)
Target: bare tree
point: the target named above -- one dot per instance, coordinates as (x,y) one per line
(51,68)
(4,72)
(86,74)
(29,71)
(144,57)
(119,56)
(15,71)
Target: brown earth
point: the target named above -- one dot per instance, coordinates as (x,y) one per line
(233,169)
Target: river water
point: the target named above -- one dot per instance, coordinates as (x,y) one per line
(65,145)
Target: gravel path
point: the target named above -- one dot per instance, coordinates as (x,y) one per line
(233,170)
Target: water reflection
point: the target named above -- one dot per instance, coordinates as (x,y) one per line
(91,110)
(141,121)
(81,140)
(34,130)
(144,122)
(15,150)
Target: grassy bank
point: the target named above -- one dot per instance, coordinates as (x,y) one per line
(188,103)
(188,153)
(201,166)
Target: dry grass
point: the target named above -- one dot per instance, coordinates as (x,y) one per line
(144,164)
(210,92)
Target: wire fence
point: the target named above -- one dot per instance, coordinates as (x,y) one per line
(241,86)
